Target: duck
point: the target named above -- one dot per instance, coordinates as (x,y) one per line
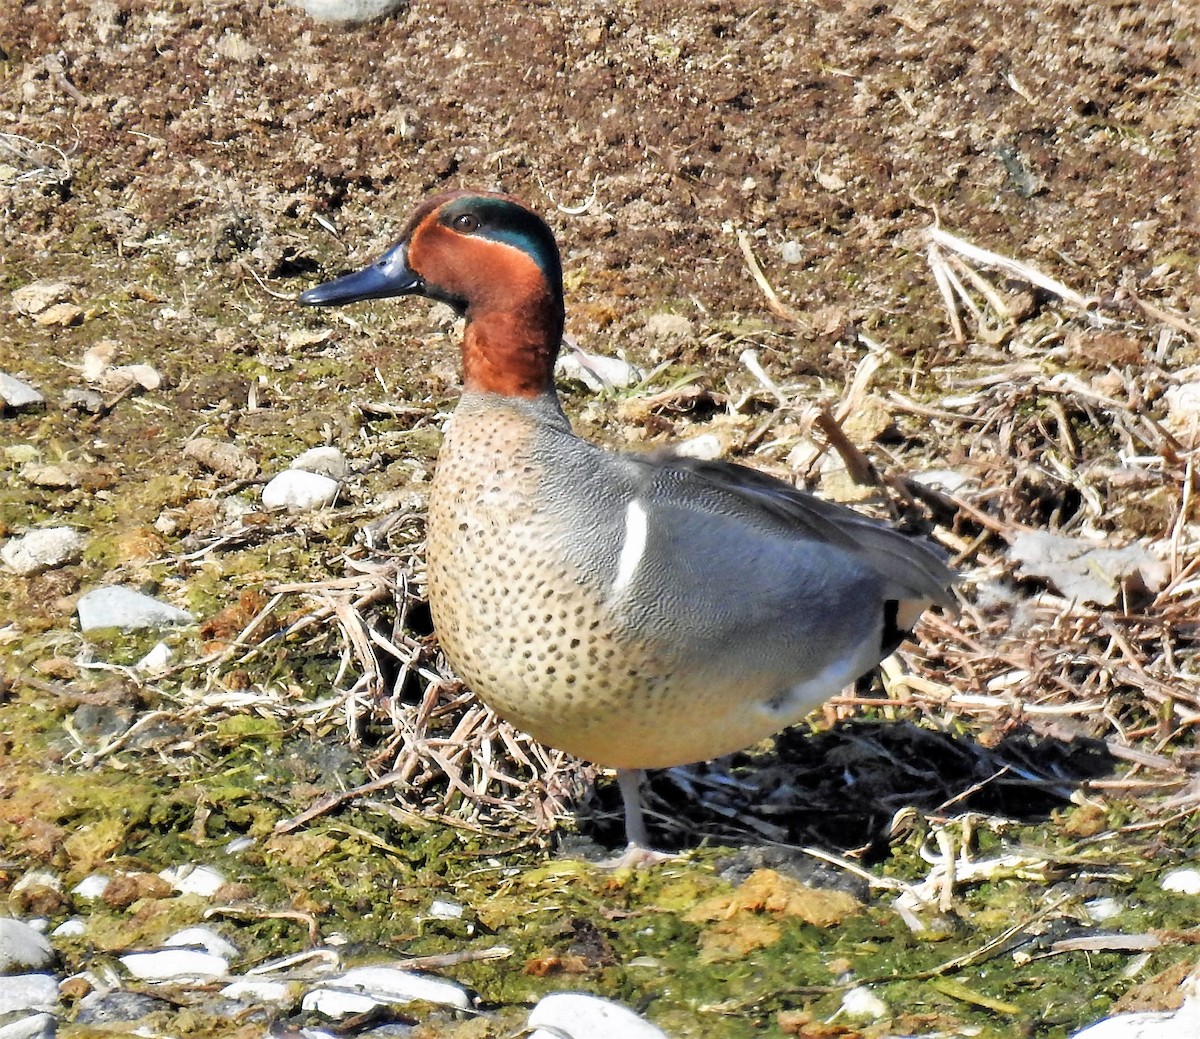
(639,611)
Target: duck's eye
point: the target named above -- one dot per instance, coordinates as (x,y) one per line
(466,223)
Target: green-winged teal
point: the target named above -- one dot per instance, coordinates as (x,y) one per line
(637,611)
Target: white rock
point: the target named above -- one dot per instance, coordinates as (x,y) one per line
(92,886)
(39,295)
(71,928)
(258,990)
(1185,881)
(239,845)
(17,393)
(334,1003)
(27,992)
(193,880)
(440,909)
(144,375)
(860,1002)
(203,938)
(324,461)
(22,948)
(43,549)
(363,988)
(791,252)
(575,1015)
(298,491)
(174,964)
(117,607)
(157,660)
(707,447)
(35,1026)
(38,878)
(85,400)
(348,12)
(1102,909)
(596,372)
(98,359)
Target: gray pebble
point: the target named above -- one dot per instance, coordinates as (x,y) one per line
(22,948)
(35,1026)
(17,393)
(28,992)
(117,607)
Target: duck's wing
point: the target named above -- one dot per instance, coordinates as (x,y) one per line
(911,566)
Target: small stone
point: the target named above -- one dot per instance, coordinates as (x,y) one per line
(299,491)
(203,938)
(57,477)
(868,421)
(597,372)
(258,990)
(349,12)
(22,948)
(157,660)
(302,338)
(62,315)
(72,928)
(861,1002)
(98,359)
(117,1006)
(364,988)
(175,964)
(39,295)
(43,549)
(116,607)
(325,461)
(574,1015)
(1103,909)
(144,375)
(222,458)
(16,393)
(20,454)
(707,447)
(669,326)
(83,400)
(92,886)
(27,992)
(1185,881)
(34,1026)
(194,880)
(440,909)
(791,253)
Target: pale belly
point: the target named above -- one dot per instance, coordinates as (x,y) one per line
(536,643)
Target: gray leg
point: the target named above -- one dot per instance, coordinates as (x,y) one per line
(630,781)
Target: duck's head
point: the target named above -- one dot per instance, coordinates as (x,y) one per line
(495,262)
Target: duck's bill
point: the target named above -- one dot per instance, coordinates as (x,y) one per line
(388,276)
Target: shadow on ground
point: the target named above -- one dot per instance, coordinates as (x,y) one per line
(840,790)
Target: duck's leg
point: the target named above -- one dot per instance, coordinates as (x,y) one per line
(630,782)
(638,852)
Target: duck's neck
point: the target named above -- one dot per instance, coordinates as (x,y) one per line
(511,351)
